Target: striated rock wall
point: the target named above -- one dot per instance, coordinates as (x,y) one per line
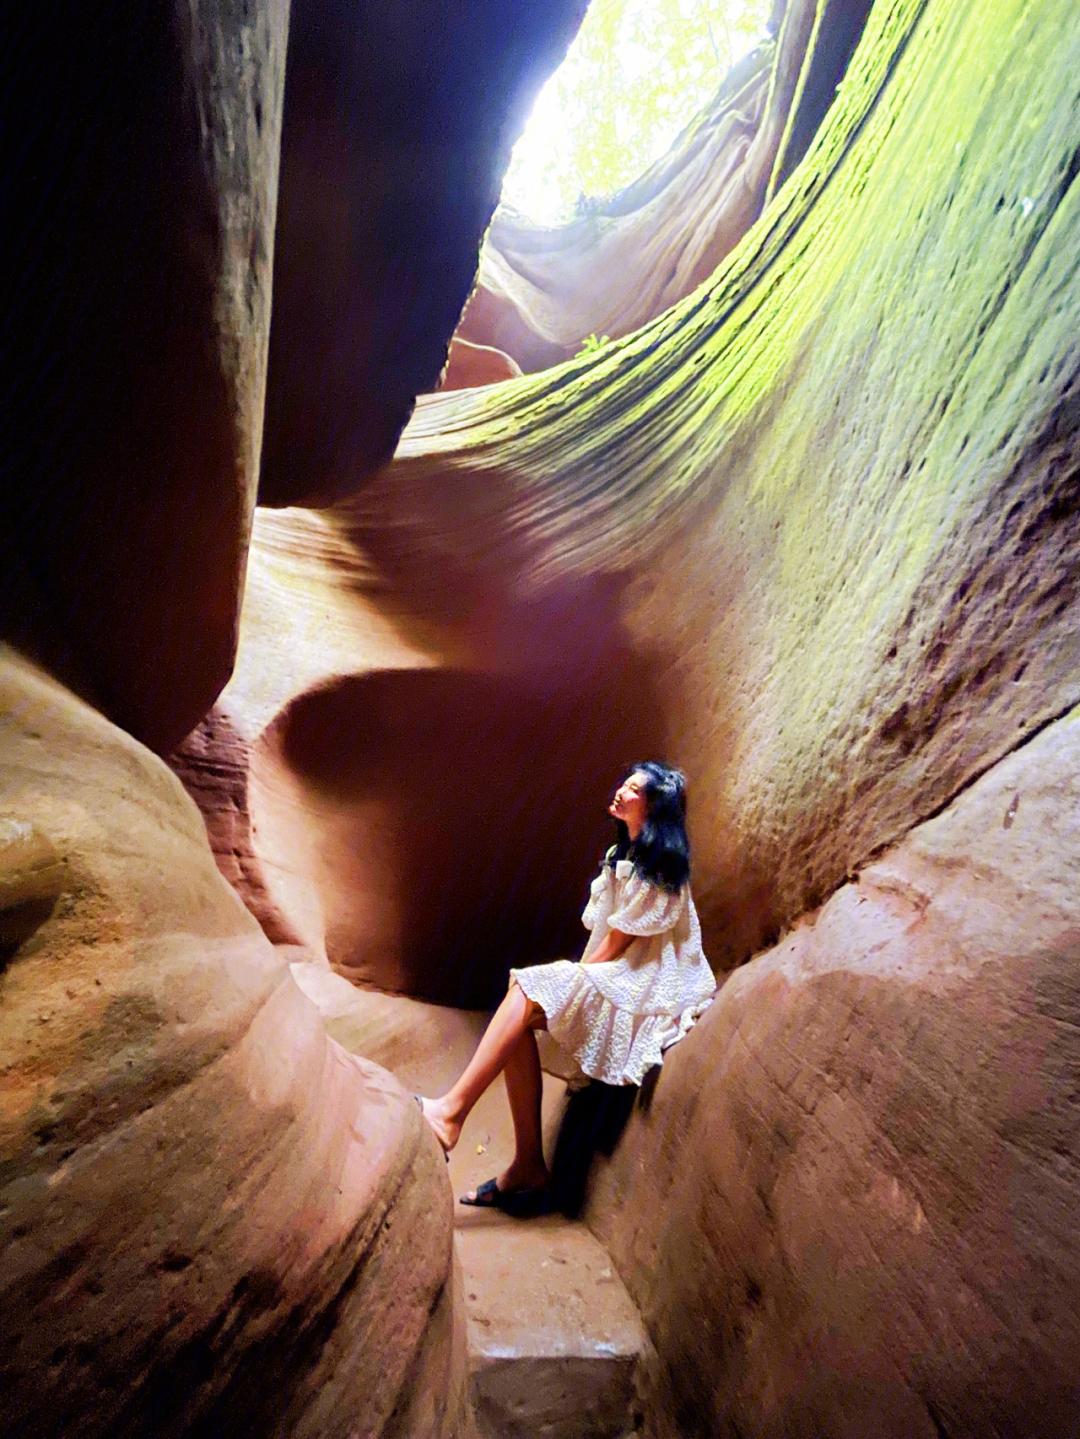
(213,763)
(812,533)
(831,498)
(541,291)
(215,1219)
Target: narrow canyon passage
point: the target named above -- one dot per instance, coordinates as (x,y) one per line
(315,679)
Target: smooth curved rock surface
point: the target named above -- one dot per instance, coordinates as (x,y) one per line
(399,121)
(470,365)
(139,174)
(876,1235)
(812,534)
(427,778)
(215,1219)
(831,499)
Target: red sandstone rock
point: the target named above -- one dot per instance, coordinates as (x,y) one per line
(398,126)
(471,365)
(215,1219)
(363,692)
(140,181)
(212,763)
(142,177)
(877,1232)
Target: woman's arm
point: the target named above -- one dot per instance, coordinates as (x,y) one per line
(609,948)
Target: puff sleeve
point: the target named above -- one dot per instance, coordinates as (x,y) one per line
(599,901)
(647,909)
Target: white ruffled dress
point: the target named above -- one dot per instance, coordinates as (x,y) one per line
(613,1021)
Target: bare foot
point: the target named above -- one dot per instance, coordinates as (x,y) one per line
(447,1131)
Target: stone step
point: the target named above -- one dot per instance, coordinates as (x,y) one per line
(554,1338)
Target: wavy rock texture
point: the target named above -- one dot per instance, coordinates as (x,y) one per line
(877,1233)
(812,533)
(800,533)
(216,1220)
(137,300)
(828,509)
(426,772)
(829,503)
(541,290)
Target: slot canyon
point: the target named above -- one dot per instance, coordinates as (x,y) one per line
(341,577)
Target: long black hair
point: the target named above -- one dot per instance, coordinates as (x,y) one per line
(661,852)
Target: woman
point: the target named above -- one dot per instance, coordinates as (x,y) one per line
(641,983)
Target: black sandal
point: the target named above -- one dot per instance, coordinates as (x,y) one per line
(519,1203)
(420,1104)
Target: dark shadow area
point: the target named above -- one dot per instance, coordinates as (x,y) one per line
(20,922)
(455,819)
(398,120)
(837,32)
(126,494)
(592,1124)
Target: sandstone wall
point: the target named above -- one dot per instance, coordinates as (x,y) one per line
(216,1220)
(811,533)
(140,168)
(427,762)
(210,1210)
(876,1234)
(832,498)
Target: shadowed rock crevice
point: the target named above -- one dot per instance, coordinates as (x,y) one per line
(212,763)
(838,27)
(443,813)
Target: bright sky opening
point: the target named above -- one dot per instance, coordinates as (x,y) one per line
(635,75)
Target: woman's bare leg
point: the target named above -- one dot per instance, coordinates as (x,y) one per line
(510,1025)
(524,1088)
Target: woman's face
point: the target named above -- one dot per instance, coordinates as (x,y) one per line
(630,804)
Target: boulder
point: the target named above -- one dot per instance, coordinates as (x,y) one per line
(215,1218)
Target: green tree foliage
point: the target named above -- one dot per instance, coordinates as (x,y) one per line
(635,75)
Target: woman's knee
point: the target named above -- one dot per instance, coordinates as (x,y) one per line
(535,1018)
